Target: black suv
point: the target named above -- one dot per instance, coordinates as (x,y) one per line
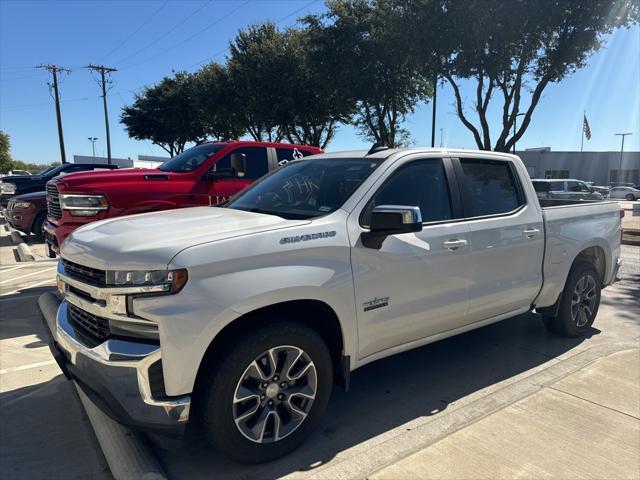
(18,184)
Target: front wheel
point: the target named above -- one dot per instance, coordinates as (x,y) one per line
(268,394)
(579,304)
(630,197)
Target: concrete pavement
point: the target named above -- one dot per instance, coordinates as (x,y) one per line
(586,425)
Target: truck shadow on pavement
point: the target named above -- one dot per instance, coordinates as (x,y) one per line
(400,391)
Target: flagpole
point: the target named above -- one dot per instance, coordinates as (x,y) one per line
(584,114)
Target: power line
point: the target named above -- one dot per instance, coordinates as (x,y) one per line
(128,37)
(64,100)
(165,34)
(104,70)
(54,70)
(277,22)
(191,37)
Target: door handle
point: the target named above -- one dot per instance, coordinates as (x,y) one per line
(454,244)
(531,232)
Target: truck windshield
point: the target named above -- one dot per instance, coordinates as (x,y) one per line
(305,188)
(190,159)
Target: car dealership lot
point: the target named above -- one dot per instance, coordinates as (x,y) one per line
(395,407)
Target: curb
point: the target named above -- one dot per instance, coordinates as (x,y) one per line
(16,238)
(128,457)
(24,253)
(24,250)
(127,453)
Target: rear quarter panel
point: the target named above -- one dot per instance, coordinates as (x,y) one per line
(568,231)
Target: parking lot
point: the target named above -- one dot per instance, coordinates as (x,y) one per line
(394,408)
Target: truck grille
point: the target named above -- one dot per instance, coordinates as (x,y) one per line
(95,329)
(90,275)
(53,202)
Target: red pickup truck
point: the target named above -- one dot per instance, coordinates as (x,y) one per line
(206,174)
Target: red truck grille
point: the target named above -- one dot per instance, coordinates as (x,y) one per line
(96,329)
(53,202)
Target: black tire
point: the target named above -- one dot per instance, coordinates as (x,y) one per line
(36,228)
(630,197)
(218,391)
(565,323)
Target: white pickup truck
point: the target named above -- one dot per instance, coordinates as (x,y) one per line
(240,318)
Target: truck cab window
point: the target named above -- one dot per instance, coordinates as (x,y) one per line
(489,188)
(423,184)
(257,163)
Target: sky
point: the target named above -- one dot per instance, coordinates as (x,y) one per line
(148,39)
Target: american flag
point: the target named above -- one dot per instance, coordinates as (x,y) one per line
(585,128)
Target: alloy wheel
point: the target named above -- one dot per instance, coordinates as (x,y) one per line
(275,394)
(583,301)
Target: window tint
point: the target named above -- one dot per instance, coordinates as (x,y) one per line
(423,184)
(190,159)
(556,186)
(574,187)
(541,186)
(488,187)
(288,154)
(257,163)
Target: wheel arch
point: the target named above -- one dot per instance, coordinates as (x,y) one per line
(315,314)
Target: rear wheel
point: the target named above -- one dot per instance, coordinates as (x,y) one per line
(579,304)
(268,394)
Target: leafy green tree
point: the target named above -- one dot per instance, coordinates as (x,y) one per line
(216,103)
(256,65)
(6,163)
(167,114)
(365,45)
(510,51)
(314,103)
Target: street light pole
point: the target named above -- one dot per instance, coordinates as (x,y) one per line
(621,151)
(93,145)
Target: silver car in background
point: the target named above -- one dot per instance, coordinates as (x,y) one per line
(565,189)
(628,193)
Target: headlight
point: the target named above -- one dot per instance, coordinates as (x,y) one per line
(20,204)
(8,188)
(171,280)
(83,205)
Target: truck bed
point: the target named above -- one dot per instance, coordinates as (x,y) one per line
(572,227)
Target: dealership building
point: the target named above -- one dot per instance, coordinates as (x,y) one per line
(602,168)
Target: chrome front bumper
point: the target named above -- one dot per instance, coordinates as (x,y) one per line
(116,374)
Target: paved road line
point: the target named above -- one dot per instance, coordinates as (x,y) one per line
(26,367)
(8,269)
(27,286)
(27,275)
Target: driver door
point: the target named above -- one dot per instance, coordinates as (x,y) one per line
(416,285)
(256,165)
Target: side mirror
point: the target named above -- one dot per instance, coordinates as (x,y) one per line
(238,163)
(218,174)
(391,220)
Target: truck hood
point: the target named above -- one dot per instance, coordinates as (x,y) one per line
(85,182)
(151,240)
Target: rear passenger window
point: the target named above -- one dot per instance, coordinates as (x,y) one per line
(285,155)
(489,188)
(419,184)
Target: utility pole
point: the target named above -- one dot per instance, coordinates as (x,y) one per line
(54,69)
(93,141)
(621,150)
(102,69)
